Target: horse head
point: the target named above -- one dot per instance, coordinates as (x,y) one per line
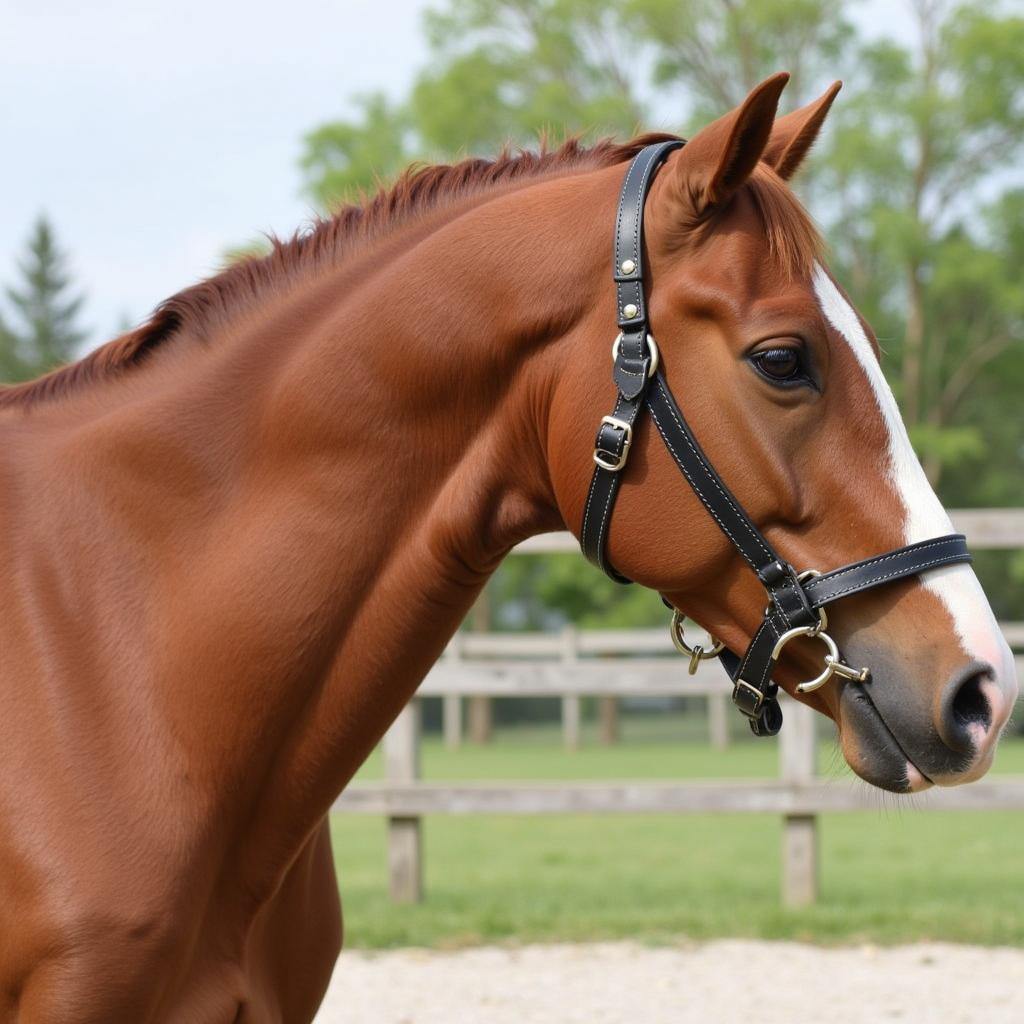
(780,379)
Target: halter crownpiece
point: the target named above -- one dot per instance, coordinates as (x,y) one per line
(796,605)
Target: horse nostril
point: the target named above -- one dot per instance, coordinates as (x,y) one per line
(970,704)
(965,705)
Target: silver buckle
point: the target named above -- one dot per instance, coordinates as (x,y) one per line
(604,459)
(754,690)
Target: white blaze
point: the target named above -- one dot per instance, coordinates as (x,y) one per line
(924,517)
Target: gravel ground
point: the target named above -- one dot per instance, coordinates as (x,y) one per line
(711,983)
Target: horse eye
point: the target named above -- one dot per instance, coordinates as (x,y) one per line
(779,364)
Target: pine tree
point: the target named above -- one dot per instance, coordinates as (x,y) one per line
(46,332)
(10,364)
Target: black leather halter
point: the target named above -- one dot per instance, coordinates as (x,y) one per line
(796,601)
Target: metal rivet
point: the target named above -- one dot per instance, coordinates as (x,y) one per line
(629,311)
(628,266)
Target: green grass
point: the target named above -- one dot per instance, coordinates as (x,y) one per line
(887,876)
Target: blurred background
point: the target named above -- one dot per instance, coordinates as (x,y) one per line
(148,144)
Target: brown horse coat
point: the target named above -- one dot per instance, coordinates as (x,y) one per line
(235,540)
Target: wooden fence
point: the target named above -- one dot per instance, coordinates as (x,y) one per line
(572,664)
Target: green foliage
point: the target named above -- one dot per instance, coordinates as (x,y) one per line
(886,878)
(716,50)
(508,69)
(10,366)
(342,158)
(916,181)
(500,72)
(906,179)
(950,446)
(925,217)
(46,333)
(542,592)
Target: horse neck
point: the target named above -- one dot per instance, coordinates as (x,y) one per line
(315,501)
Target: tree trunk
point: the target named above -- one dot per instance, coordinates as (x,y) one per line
(913,349)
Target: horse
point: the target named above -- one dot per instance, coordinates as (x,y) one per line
(236,538)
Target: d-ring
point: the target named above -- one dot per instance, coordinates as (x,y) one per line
(697,653)
(651,344)
(833,663)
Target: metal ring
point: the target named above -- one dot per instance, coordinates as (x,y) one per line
(830,659)
(651,344)
(834,664)
(697,653)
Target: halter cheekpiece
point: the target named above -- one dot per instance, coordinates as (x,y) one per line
(796,600)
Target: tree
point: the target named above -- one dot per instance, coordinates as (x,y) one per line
(342,158)
(10,366)
(714,51)
(907,176)
(499,72)
(46,334)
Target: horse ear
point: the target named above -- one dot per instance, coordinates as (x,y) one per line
(720,157)
(793,135)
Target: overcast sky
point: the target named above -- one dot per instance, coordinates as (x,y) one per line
(156,134)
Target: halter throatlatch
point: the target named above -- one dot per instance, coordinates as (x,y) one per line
(796,600)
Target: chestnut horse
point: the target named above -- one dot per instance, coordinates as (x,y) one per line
(236,539)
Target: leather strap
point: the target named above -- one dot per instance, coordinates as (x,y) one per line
(794,603)
(634,356)
(894,565)
(720,502)
(753,689)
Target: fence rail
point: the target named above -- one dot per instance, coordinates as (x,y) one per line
(617,663)
(765,796)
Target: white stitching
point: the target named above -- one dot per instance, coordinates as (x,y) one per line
(714,479)
(782,611)
(590,497)
(700,493)
(875,580)
(606,519)
(637,227)
(766,674)
(693,484)
(643,167)
(924,546)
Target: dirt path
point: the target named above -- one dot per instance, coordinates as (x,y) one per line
(713,983)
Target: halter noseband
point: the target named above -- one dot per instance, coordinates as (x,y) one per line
(796,599)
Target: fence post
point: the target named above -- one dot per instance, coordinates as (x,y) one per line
(481,709)
(481,720)
(718,721)
(451,703)
(571,701)
(608,713)
(799,831)
(405,840)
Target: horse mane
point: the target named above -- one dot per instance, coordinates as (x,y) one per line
(420,189)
